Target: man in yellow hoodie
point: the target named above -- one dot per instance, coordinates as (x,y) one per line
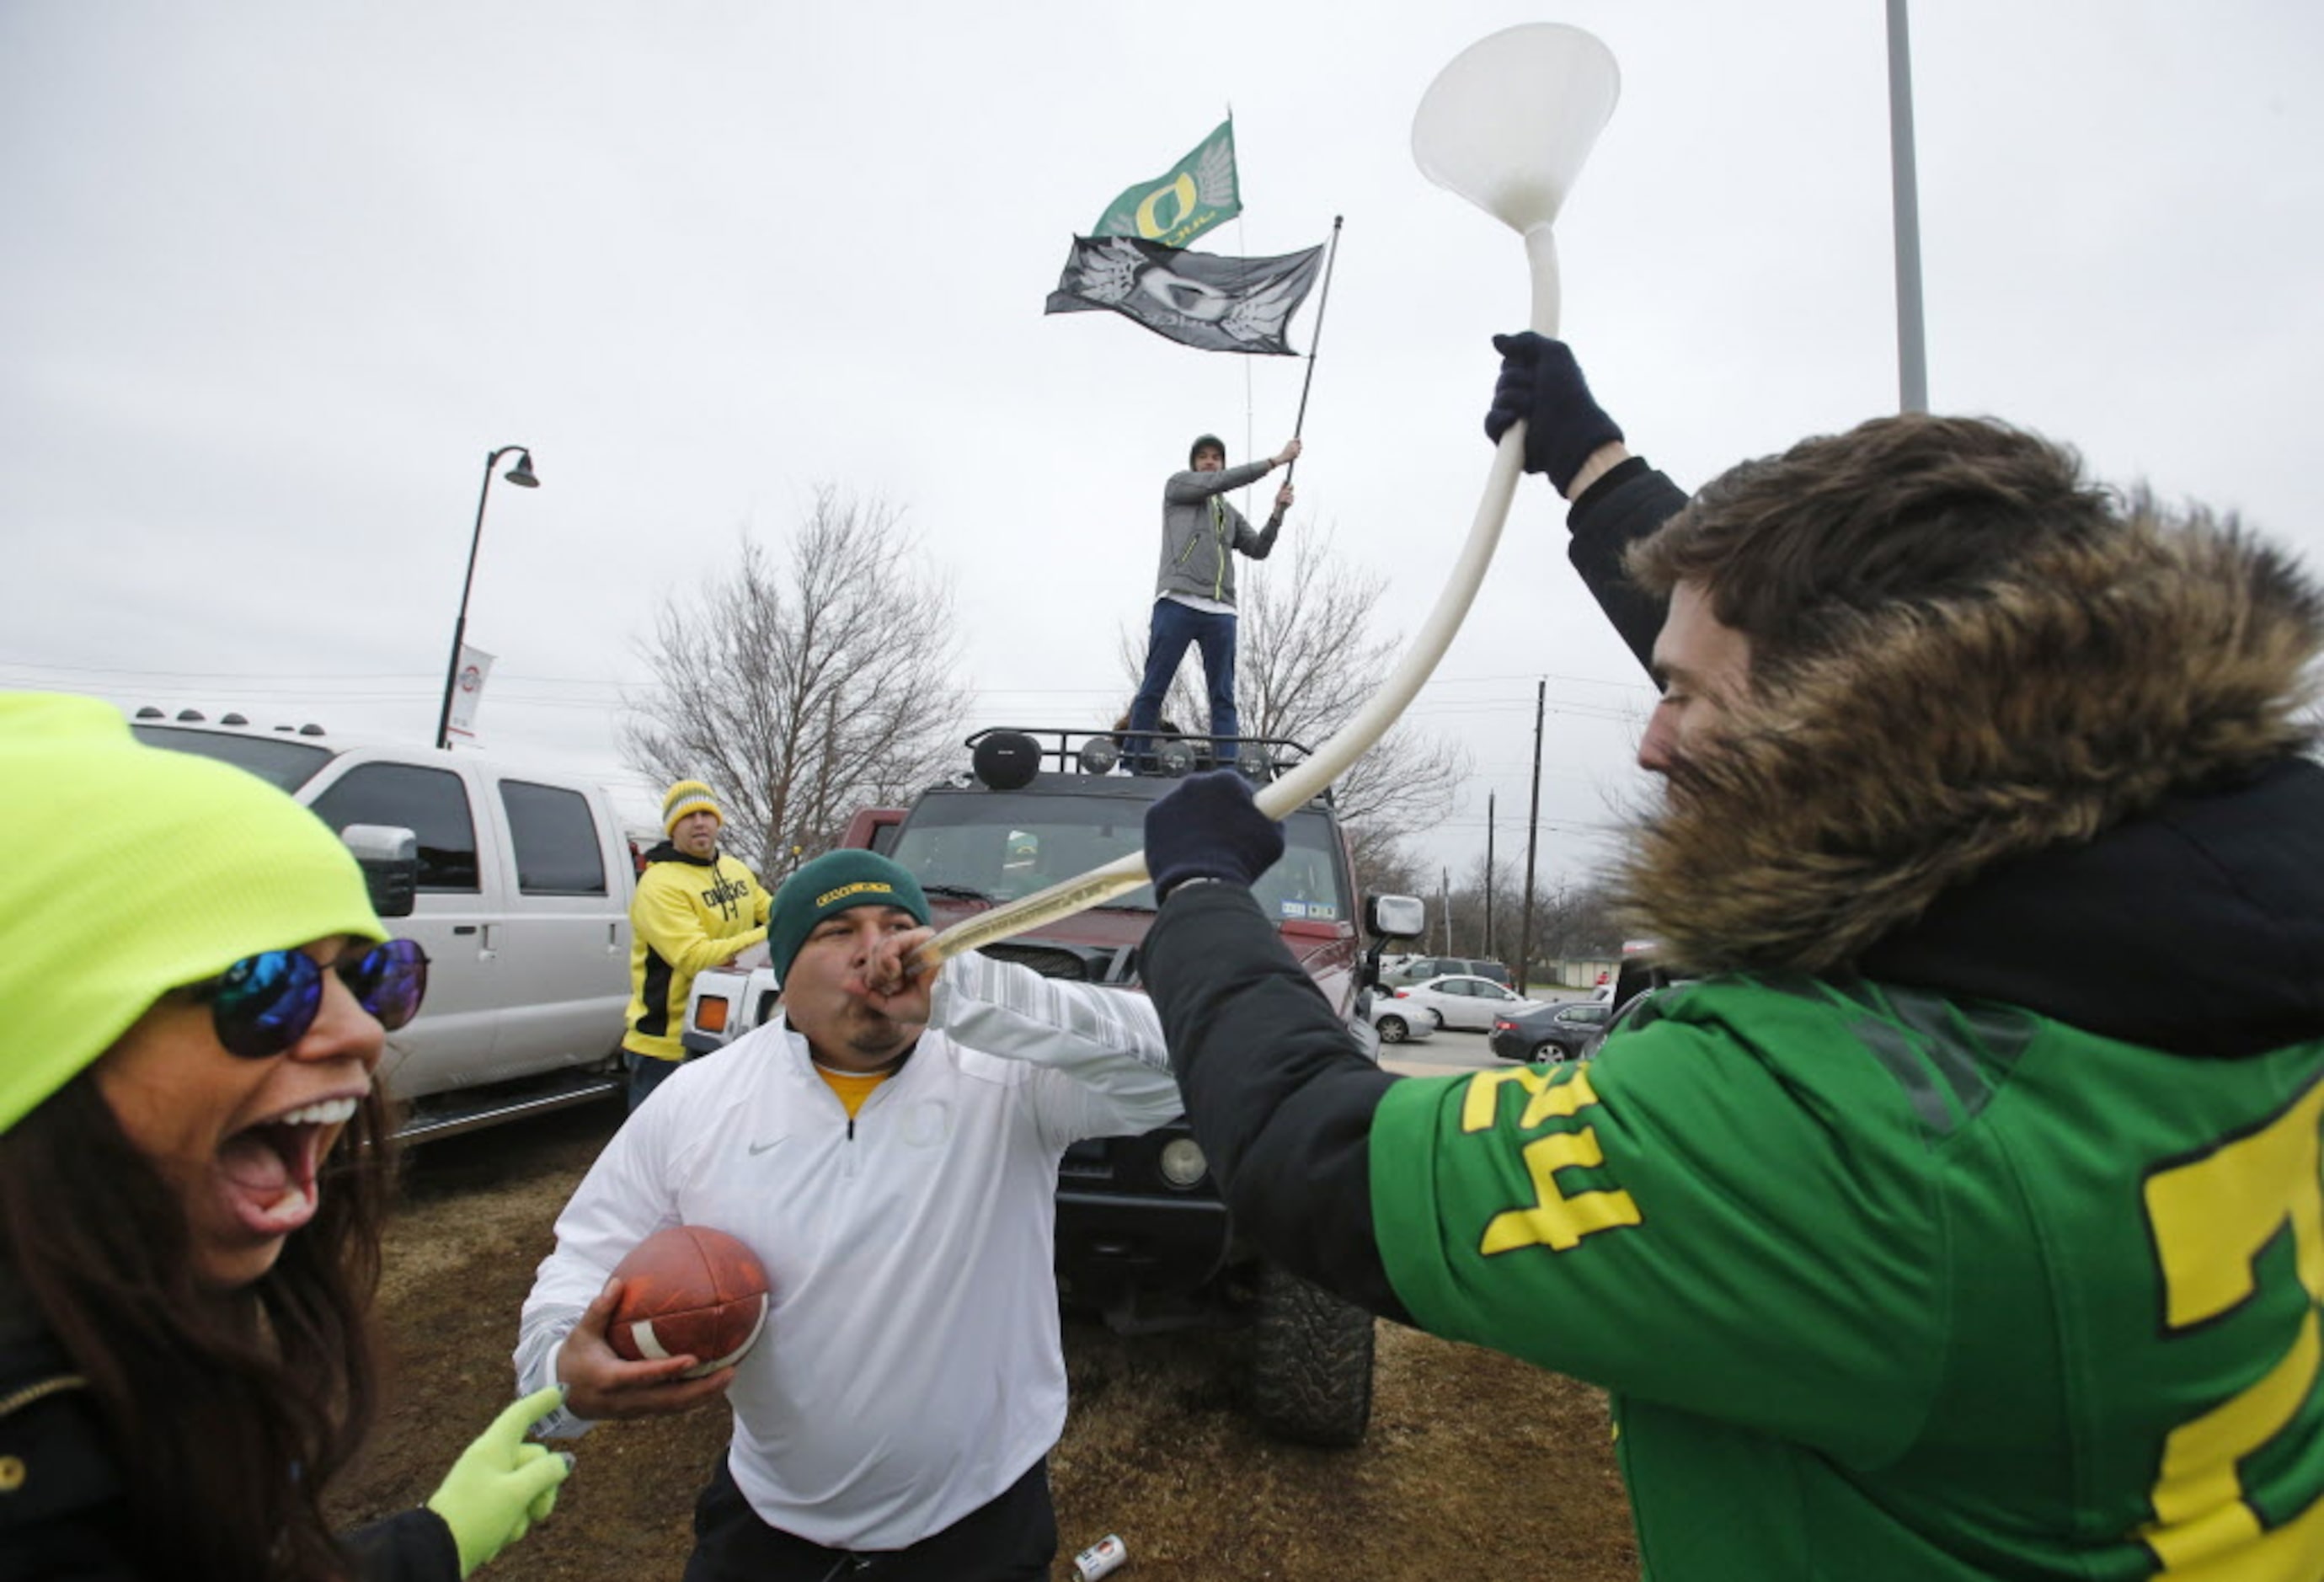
(695,907)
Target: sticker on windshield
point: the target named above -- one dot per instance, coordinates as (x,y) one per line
(1318,912)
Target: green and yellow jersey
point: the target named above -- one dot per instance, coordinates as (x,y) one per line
(1891,1286)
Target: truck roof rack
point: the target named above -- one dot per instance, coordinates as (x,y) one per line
(1100,750)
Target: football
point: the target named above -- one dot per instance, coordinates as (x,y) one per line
(689,1291)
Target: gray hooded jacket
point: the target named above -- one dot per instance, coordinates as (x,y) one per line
(1199,527)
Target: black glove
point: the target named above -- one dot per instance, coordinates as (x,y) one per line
(1208,828)
(1542,384)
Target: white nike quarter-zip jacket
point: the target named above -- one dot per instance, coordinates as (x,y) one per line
(910,1369)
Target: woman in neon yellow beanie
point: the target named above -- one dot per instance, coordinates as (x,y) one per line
(194,997)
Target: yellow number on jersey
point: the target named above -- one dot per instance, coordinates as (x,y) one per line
(2210,1220)
(1553,1219)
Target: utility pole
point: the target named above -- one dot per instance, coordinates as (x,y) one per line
(1444,906)
(1489,875)
(1533,834)
(1912,349)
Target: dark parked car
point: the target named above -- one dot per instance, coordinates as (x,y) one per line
(1552,1033)
(1626,1016)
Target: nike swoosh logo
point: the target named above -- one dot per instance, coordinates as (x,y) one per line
(759,1148)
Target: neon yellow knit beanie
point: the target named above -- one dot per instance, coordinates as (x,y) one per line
(127,871)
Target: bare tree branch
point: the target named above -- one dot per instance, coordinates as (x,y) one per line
(1569,920)
(804,687)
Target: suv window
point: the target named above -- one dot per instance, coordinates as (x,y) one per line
(432,803)
(1304,881)
(556,840)
(1003,846)
(284,764)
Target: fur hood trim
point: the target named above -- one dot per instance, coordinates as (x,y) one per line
(1931,742)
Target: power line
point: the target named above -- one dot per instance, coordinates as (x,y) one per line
(246,679)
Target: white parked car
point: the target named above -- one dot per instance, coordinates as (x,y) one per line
(1398,1018)
(1469,1003)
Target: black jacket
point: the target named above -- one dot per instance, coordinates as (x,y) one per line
(63,1513)
(1287,1133)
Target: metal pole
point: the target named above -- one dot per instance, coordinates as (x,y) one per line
(1489,822)
(460,627)
(1322,301)
(1249,407)
(1533,834)
(1912,354)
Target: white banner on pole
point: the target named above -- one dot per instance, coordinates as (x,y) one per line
(476,664)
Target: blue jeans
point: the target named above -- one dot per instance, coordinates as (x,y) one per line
(646,1073)
(1175,627)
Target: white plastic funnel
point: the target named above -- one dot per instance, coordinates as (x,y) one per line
(1508,124)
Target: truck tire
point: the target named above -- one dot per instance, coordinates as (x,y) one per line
(1311,1362)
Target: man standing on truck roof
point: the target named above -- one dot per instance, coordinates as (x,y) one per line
(1964,1218)
(1194,591)
(695,907)
(888,1147)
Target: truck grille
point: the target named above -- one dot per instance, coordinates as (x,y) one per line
(1086,1160)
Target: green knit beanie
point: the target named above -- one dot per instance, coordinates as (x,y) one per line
(835,882)
(128,871)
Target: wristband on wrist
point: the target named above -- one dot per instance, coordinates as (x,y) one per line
(1193,879)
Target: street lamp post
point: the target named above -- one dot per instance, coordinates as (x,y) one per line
(521,475)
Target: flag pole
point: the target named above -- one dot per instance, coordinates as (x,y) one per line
(1322,301)
(1249,403)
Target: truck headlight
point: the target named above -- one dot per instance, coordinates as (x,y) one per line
(710,1014)
(1183,1163)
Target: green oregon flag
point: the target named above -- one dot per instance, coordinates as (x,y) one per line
(1180,205)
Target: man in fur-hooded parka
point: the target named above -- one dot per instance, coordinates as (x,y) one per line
(1962,1214)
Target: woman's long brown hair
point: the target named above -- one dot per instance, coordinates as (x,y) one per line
(227,1413)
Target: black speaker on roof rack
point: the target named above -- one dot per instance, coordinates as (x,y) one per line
(1006,760)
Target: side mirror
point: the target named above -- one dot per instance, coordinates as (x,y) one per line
(1386,918)
(1394,917)
(389,856)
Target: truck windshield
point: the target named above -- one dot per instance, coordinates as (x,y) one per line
(1004,845)
(285,764)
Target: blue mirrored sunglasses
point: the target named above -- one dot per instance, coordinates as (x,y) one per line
(264,1003)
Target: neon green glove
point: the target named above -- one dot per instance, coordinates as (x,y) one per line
(501,1485)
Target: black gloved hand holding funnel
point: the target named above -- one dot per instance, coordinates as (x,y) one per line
(1210,828)
(1542,384)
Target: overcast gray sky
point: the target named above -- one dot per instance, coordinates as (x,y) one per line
(276,276)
